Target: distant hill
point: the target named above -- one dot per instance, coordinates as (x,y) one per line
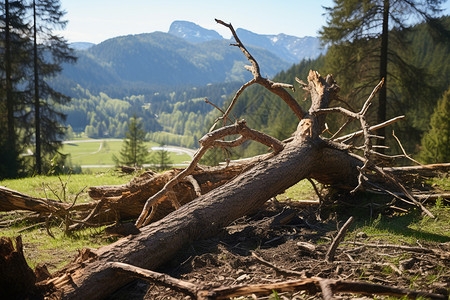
(155,59)
(187,55)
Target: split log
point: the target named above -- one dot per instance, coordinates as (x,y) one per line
(122,202)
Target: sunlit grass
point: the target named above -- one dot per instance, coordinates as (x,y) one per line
(42,186)
(303,190)
(97,152)
(56,252)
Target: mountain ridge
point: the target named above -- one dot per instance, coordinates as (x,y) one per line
(186,55)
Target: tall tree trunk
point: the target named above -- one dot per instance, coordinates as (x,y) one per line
(37,117)
(382,96)
(8,72)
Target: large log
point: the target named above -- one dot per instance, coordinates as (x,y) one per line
(92,278)
(201,218)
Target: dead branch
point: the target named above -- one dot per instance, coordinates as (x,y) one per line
(276,88)
(211,139)
(403,150)
(371,128)
(329,257)
(404,248)
(277,269)
(183,286)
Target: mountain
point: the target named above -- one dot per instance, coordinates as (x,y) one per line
(158,58)
(192,32)
(187,55)
(290,48)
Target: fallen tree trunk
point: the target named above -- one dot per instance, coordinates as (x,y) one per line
(304,157)
(201,218)
(121,202)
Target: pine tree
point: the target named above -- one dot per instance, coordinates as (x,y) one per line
(48,56)
(134,151)
(14,59)
(366,37)
(436,142)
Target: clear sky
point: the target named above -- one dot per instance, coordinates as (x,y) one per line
(97,20)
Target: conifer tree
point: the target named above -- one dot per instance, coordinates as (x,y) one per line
(14,32)
(436,142)
(366,37)
(134,152)
(49,52)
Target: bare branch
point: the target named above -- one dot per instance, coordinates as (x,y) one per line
(403,150)
(329,257)
(276,88)
(371,128)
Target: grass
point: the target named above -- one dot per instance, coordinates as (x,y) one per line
(395,228)
(100,152)
(39,186)
(39,247)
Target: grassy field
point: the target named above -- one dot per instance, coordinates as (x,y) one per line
(408,227)
(100,152)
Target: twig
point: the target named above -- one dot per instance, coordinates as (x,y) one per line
(399,247)
(329,257)
(315,189)
(195,185)
(403,150)
(164,279)
(277,268)
(371,128)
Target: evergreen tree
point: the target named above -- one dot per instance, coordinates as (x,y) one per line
(366,36)
(13,48)
(49,52)
(134,151)
(436,142)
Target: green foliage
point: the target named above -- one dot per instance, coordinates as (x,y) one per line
(134,152)
(32,53)
(436,142)
(373,39)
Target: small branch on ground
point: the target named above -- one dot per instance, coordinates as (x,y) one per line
(329,257)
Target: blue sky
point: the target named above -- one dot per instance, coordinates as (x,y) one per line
(97,20)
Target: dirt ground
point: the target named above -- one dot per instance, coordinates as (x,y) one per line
(277,233)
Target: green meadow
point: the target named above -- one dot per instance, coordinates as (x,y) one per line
(100,152)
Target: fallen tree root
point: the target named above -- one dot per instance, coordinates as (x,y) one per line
(311,285)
